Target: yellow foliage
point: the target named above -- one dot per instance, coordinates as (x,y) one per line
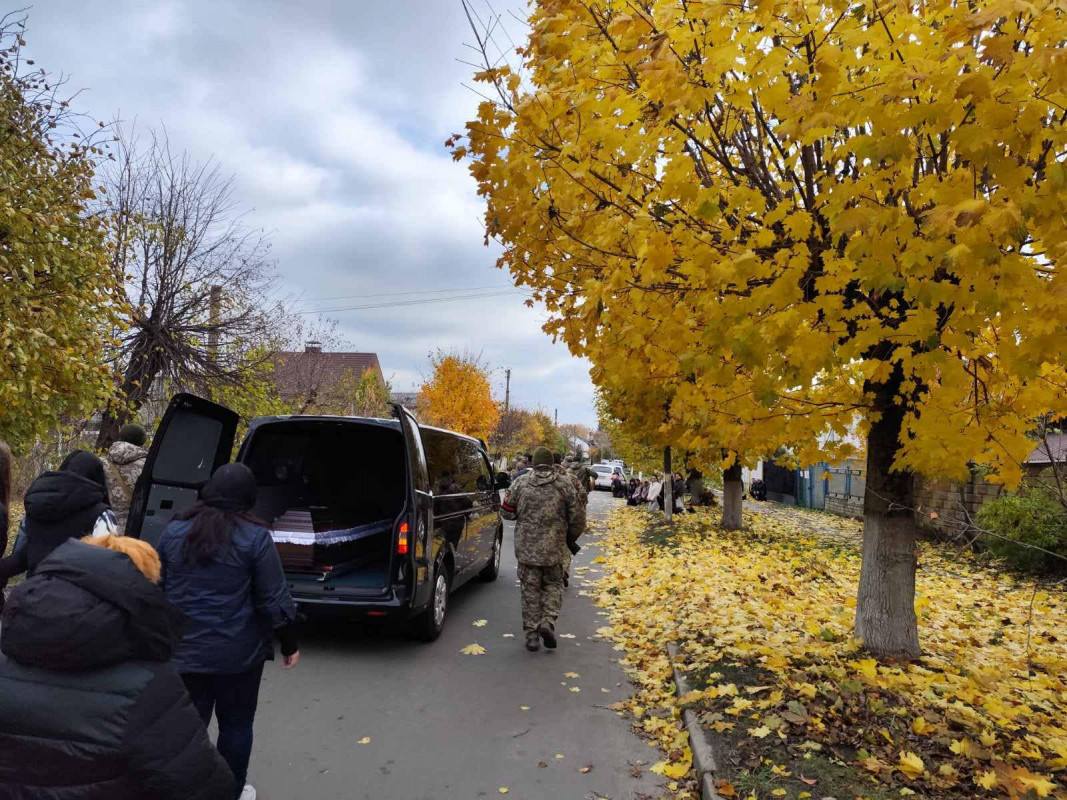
(60,297)
(986,706)
(458,396)
(754,218)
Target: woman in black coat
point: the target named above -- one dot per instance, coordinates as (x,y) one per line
(221,567)
(90,706)
(69,503)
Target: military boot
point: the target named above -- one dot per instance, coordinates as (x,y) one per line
(548,633)
(533,641)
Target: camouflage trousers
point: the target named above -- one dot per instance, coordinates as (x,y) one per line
(542,594)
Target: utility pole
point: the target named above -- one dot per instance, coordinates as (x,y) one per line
(214,311)
(557,417)
(507,390)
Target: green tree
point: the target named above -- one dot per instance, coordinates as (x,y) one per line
(59,298)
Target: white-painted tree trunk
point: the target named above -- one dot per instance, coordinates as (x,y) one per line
(885,602)
(732,498)
(668,485)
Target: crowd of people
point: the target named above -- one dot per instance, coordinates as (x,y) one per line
(651,493)
(139,647)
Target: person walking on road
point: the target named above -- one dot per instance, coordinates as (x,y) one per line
(67,504)
(548,515)
(90,706)
(123,465)
(220,567)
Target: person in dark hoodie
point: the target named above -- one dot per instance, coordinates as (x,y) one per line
(90,707)
(220,567)
(67,504)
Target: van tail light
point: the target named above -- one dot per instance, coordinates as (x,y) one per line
(403,543)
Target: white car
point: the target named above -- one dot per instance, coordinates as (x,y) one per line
(603,475)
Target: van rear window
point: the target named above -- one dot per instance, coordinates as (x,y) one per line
(187,453)
(455,465)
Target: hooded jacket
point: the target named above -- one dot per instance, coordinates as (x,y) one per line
(67,504)
(90,708)
(123,467)
(548,515)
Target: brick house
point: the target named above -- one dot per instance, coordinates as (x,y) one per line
(313,380)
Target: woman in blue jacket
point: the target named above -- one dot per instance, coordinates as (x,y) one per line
(221,568)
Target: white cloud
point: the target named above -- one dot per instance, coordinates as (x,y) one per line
(332,117)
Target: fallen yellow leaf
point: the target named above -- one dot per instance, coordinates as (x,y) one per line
(911,765)
(473,650)
(364,740)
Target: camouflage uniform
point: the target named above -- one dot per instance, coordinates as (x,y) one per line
(583,500)
(122,468)
(547,513)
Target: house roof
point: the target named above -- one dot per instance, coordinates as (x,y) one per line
(296,373)
(1057,443)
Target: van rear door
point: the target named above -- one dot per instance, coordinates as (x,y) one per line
(194,439)
(419,516)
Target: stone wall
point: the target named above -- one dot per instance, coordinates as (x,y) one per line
(942,507)
(844,505)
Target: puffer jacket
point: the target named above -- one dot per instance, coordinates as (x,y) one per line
(548,515)
(123,467)
(90,707)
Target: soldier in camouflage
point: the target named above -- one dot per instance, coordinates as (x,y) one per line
(547,514)
(583,497)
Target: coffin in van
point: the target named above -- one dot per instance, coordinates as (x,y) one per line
(310,542)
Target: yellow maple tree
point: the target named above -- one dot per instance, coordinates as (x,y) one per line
(764,222)
(458,396)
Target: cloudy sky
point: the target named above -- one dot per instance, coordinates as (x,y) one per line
(332,115)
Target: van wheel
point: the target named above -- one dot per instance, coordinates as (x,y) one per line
(431,622)
(492,569)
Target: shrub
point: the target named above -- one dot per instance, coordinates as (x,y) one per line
(1032,517)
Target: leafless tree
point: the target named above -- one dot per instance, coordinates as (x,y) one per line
(198,279)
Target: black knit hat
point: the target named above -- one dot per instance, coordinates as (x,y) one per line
(231,488)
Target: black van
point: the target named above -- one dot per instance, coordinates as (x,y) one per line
(379,518)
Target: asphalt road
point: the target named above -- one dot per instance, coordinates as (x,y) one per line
(445,725)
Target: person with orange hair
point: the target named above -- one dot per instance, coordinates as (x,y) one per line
(90,706)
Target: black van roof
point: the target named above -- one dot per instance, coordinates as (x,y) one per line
(384,423)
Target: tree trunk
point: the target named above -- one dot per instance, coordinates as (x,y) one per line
(885,604)
(668,485)
(732,497)
(136,385)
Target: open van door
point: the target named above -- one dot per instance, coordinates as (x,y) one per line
(194,439)
(419,517)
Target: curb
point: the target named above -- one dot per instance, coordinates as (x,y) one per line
(703,755)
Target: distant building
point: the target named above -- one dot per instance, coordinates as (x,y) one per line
(310,378)
(407,399)
(579,446)
(1042,457)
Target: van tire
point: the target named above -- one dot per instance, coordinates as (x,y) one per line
(429,624)
(492,569)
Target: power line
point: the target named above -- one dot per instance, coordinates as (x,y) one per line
(401,294)
(399,303)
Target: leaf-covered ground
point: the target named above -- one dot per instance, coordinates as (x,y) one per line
(764,620)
